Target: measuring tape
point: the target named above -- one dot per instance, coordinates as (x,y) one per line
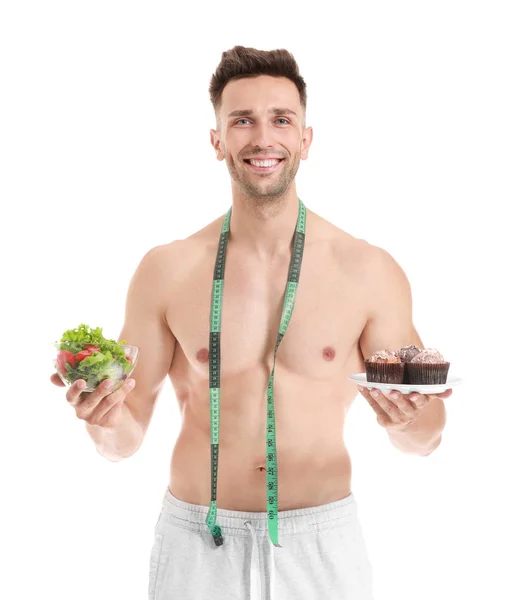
(272,488)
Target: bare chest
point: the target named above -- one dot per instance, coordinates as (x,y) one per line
(321,341)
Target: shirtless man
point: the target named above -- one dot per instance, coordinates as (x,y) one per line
(352,300)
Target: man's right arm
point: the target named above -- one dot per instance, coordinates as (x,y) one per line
(145,327)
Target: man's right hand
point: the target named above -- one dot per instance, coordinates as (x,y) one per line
(99,407)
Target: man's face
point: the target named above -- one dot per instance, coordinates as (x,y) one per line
(261,133)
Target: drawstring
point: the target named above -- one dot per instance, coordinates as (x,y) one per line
(272,570)
(255,569)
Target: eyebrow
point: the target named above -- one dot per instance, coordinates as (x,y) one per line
(249,113)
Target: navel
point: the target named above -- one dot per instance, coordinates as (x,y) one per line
(202,355)
(328,353)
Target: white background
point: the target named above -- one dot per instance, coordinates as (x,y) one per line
(105,153)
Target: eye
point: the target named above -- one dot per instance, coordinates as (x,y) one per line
(279,119)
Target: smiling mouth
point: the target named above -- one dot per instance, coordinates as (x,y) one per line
(269,169)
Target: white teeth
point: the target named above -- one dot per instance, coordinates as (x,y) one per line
(263,163)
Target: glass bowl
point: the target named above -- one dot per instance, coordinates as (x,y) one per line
(72,366)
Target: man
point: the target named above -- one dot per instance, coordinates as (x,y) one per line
(214,326)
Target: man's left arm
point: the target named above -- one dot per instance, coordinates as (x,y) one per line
(414,422)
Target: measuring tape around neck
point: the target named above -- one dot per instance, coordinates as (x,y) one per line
(272,488)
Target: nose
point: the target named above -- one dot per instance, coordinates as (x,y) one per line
(262,135)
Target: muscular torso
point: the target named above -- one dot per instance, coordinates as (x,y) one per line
(311,391)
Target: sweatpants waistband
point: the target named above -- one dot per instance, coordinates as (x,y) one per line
(232,522)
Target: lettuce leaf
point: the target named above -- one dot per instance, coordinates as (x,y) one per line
(108,363)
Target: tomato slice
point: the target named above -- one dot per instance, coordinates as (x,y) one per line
(83,354)
(92,348)
(128,358)
(64,356)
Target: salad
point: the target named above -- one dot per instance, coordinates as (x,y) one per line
(84,353)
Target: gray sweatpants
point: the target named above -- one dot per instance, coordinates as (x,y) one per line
(323,555)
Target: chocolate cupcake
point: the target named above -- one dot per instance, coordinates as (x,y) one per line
(384,366)
(406,354)
(428,368)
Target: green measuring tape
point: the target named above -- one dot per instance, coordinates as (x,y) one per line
(272,488)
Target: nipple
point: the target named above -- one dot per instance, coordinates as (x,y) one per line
(202,355)
(328,353)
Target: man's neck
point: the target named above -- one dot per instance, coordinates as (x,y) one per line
(264,229)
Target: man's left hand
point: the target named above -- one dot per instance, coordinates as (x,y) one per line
(396,413)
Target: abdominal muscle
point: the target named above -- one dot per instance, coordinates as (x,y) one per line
(314,466)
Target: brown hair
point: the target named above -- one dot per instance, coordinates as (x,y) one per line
(240,62)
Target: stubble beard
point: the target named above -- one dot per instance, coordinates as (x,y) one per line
(262,194)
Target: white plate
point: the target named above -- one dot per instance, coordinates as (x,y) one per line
(406,388)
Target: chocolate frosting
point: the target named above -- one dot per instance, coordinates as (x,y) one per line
(407,353)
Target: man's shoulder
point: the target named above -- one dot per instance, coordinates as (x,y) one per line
(198,239)
(374,265)
(175,259)
(326,230)
(347,248)
(362,257)
(207,235)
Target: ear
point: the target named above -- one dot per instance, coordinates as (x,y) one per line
(306,142)
(216,143)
